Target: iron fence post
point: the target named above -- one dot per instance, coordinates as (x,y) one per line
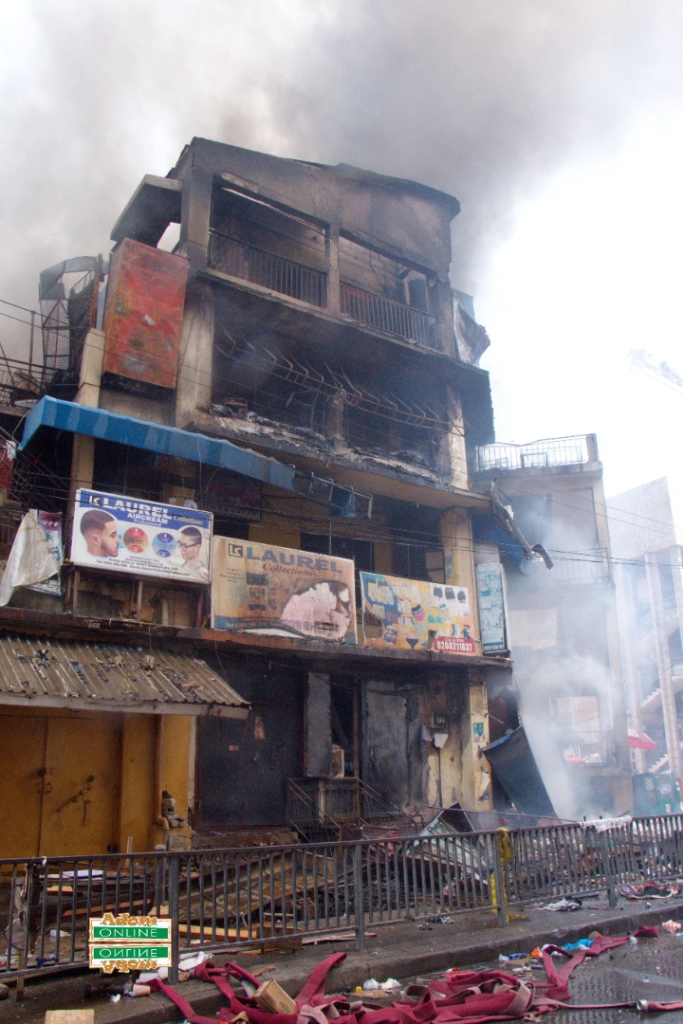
(173,913)
(499,880)
(603,839)
(358,910)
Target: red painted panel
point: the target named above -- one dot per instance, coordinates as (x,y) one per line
(143,314)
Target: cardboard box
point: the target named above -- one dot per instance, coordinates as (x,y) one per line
(274,999)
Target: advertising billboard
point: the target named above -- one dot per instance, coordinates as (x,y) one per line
(491,607)
(141,537)
(413,615)
(261,587)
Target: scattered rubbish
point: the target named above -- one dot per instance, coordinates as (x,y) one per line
(62,935)
(633,940)
(671,926)
(103,990)
(424,928)
(513,956)
(272,998)
(580,944)
(564,905)
(479,994)
(145,976)
(439,919)
(189,963)
(650,890)
(390,984)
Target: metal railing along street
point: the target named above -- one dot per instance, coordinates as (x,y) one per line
(229,898)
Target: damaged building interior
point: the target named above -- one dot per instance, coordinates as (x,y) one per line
(299,617)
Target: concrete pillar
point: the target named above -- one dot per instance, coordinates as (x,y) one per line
(195,221)
(452,452)
(318,738)
(455,528)
(456,537)
(476,788)
(333,280)
(89,385)
(195,369)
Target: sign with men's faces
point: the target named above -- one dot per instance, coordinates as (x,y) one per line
(145,538)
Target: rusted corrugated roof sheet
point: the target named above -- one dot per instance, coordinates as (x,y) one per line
(52,673)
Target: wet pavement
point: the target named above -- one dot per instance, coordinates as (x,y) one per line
(652,968)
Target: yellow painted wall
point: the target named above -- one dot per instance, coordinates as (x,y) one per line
(138,797)
(274,533)
(174,745)
(458,545)
(46,758)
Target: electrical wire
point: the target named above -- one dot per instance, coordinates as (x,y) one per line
(597,509)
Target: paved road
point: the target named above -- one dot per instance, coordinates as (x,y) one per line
(651,969)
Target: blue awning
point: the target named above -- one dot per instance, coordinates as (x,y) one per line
(154,437)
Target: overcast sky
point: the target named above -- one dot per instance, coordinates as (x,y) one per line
(557,123)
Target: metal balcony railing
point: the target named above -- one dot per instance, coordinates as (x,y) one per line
(547,454)
(583,566)
(391,317)
(238,259)
(20,382)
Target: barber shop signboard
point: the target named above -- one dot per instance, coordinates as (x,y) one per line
(141,537)
(265,588)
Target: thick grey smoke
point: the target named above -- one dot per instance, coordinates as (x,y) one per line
(482,98)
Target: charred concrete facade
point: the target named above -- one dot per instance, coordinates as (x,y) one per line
(299,369)
(568,690)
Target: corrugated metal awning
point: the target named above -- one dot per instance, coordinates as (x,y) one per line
(44,672)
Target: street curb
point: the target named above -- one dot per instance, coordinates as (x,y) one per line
(480,942)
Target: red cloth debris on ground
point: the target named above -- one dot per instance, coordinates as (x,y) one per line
(462,997)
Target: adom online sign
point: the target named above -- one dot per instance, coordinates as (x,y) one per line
(126,943)
(130,535)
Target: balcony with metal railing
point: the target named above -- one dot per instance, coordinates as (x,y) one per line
(552,453)
(246,262)
(591,566)
(231,256)
(390,317)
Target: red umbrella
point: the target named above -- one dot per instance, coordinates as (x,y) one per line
(640,740)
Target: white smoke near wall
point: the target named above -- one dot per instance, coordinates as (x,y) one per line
(561,732)
(563,633)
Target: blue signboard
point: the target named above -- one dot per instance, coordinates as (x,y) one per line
(145,538)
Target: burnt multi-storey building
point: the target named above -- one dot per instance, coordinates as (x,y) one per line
(297,379)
